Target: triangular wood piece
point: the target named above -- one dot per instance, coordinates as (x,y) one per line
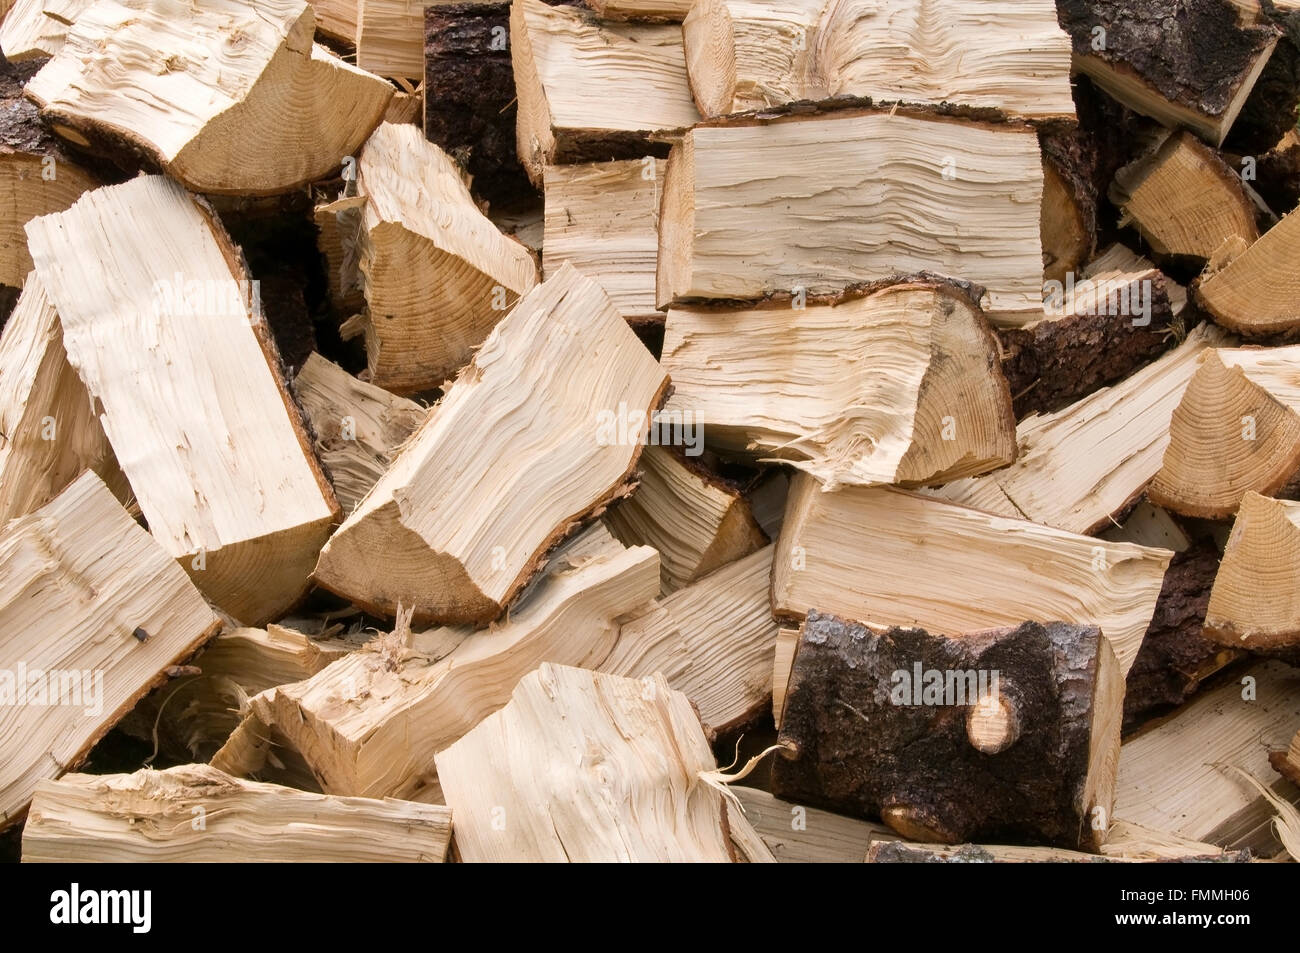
(231,96)
(1258,292)
(465,515)
(92,612)
(165,330)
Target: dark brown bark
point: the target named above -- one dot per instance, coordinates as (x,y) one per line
(469,95)
(856,752)
(1057,362)
(1191,52)
(1270,110)
(901,852)
(1174,658)
(1284,766)
(1072,155)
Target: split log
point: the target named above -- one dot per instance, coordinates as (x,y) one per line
(1014,733)
(388,38)
(49,433)
(1005,56)
(603,217)
(1184,199)
(797,834)
(561,54)
(469,94)
(672,11)
(337,19)
(522,786)
(787,640)
(741,199)
(370,724)
(1255,603)
(228,97)
(358,426)
(1081,468)
(38,175)
(91,613)
(1173,778)
(1098,328)
(1068,216)
(767,498)
(338,238)
(1237,429)
(696,521)
(899,385)
(192,716)
(197,814)
(438,275)
(1257,293)
(466,513)
(161,324)
(712,640)
(1195,69)
(33,29)
(888,557)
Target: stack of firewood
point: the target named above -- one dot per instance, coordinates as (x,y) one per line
(447,433)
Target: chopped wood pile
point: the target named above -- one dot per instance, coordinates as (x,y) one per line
(444,432)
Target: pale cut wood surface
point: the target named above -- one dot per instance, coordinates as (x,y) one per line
(900,386)
(358,426)
(437,274)
(585,767)
(337,19)
(506,465)
(652,10)
(561,56)
(1008,55)
(49,432)
(695,521)
(1080,467)
(31,186)
(36,28)
(390,37)
(1174,777)
(740,202)
(371,723)
(1258,292)
(1184,199)
(603,218)
(887,557)
(196,814)
(1236,429)
(229,97)
(80,582)
(713,640)
(189,384)
(1255,602)
(806,835)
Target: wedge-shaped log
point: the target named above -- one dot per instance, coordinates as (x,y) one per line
(38,174)
(1119,298)
(1082,467)
(1193,69)
(901,385)
(561,54)
(229,97)
(603,218)
(550,762)
(148,817)
(741,200)
(887,557)
(1004,55)
(1175,778)
(358,426)
(1184,199)
(1258,292)
(389,38)
(1255,602)
(712,640)
(1236,429)
(370,724)
(821,838)
(49,433)
(695,520)
(1005,733)
(160,322)
(1068,216)
(92,611)
(466,513)
(438,275)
